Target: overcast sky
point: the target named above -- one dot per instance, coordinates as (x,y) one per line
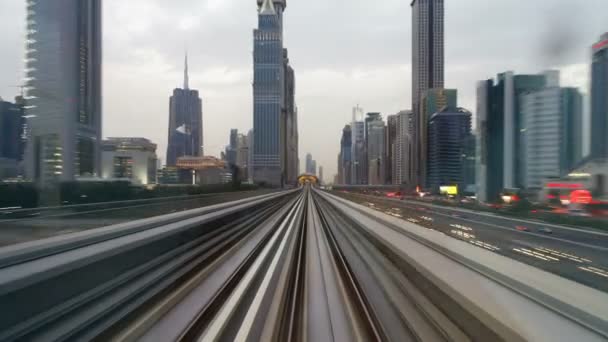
(344,52)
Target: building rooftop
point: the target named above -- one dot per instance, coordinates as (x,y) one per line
(128,143)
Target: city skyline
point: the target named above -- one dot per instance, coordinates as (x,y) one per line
(216,80)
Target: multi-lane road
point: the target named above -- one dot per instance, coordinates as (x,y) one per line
(575,253)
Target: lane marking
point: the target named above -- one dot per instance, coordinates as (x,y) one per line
(582,230)
(595,270)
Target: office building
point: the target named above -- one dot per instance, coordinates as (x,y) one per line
(269,95)
(403,149)
(500,126)
(133,159)
(490,138)
(432,101)
(290,124)
(551,141)
(449,130)
(376,151)
(12,123)
(311,165)
(358,148)
(427,72)
(321,179)
(185,134)
(470,160)
(250,156)
(12,137)
(168,175)
(63,82)
(231,149)
(344,157)
(391,147)
(242,156)
(599,99)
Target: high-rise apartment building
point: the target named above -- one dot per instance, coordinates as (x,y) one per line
(599,99)
(63,79)
(269,95)
(185,133)
(427,72)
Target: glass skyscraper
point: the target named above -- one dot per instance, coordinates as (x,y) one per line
(63,79)
(427,73)
(268,94)
(449,132)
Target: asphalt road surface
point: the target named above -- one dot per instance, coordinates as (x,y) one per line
(575,253)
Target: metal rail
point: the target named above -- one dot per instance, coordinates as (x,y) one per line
(291,266)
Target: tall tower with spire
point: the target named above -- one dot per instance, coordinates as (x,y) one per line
(185,135)
(186,79)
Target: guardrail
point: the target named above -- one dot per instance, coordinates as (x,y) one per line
(8,213)
(517,300)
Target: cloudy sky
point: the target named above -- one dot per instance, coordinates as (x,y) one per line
(345,52)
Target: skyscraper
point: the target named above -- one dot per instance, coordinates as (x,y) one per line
(344,159)
(231,149)
(358,148)
(376,151)
(321,175)
(449,132)
(427,71)
(391,147)
(403,148)
(269,125)
(63,78)
(12,137)
(309,164)
(552,136)
(290,124)
(599,99)
(11,129)
(185,122)
(432,101)
(501,127)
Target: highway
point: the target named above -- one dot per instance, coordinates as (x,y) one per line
(23,225)
(574,253)
(298,265)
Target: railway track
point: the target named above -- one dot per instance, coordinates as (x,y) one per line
(302,280)
(292,266)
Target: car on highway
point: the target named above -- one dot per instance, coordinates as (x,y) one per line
(522,228)
(546,230)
